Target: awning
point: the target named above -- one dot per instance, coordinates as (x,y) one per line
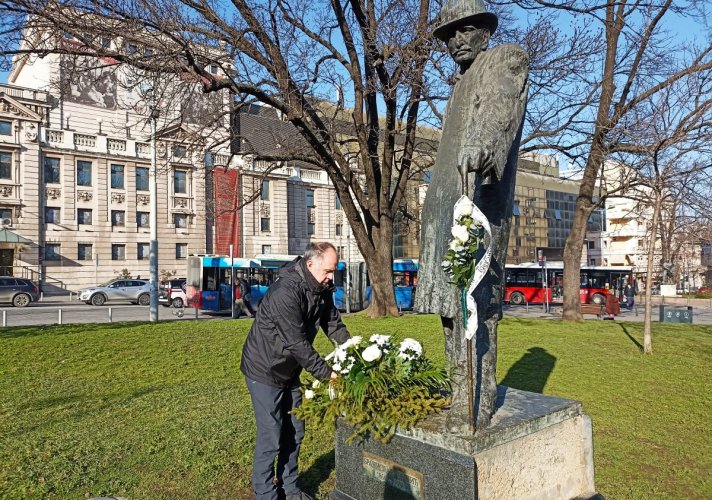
(7,236)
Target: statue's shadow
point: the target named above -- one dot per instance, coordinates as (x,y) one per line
(531,371)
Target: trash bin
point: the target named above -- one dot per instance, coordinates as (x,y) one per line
(675,314)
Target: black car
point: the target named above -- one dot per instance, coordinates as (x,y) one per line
(18,291)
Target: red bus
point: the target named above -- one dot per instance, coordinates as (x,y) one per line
(525,282)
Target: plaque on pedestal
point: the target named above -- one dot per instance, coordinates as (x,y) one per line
(535,447)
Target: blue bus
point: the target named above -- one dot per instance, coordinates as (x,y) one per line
(209,285)
(209,281)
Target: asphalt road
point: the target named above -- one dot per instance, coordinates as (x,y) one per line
(47,312)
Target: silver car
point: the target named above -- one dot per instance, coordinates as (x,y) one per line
(133,290)
(18,291)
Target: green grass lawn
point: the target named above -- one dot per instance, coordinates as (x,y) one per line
(161,411)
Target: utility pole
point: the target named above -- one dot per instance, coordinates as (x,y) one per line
(153,193)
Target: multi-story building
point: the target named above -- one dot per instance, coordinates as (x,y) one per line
(543,212)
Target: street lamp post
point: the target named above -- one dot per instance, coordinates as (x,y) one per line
(153,194)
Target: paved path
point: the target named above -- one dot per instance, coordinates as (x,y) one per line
(701,310)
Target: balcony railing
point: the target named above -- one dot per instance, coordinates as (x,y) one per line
(85,141)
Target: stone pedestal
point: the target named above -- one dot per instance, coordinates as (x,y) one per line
(537,447)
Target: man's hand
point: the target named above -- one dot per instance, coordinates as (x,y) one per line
(475,159)
(334,376)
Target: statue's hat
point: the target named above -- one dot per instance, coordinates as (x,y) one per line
(461,12)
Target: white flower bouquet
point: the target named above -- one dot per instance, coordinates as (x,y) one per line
(383,384)
(467,234)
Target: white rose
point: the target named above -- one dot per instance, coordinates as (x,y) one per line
(337,367)
(463,207)
(308,394)
(461,233)
(316,384)
(411,345)
(380,339)
(456,245)
(371,353)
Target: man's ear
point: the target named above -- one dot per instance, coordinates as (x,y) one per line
(485,39)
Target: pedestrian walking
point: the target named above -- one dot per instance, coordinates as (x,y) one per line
(241,299)
(613,306)
(629,292)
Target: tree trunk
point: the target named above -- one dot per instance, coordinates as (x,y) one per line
(380,271)
(572,260)
(647,322)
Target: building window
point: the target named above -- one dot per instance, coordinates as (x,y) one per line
(5,165)
(118,218)
(131,48)
(341,252)
(52,251)
(339,229)
(51,170)
(180,182)
(592,262)
(179,152)
(83,173)
(310,198)
(264,224)
(51,215)
(142,251)
(515,210)
(337,202)
(591,245)
(181,250)
(117,176)
(213,69)
(118,252)
(84,251)
(5,128)
(105,42)
(180,220)
(264,194)
(84,216)
(310,228)
(141,179)
(266,249)
(6,213)
(143,219)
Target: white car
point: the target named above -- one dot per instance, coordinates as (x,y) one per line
(172,293)
(133,290)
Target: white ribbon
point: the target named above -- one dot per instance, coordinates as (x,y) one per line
(480,268)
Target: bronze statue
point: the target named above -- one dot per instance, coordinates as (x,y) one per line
(477,156)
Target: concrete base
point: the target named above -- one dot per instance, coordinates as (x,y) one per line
(537,447)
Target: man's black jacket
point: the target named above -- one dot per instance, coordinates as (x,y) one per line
(280,341)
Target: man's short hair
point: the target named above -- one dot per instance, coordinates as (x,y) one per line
(316,251)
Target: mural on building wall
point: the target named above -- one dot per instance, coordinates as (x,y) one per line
(203,109)
(85,83)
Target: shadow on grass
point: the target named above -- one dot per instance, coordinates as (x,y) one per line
(531,371)
(632,339)
(319,472)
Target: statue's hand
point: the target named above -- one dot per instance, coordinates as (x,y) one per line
(476,159)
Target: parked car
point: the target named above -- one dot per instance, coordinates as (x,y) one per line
(172,293)
(18,291)
(133,290)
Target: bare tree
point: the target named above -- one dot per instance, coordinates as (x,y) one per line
(373,57)
(610,93)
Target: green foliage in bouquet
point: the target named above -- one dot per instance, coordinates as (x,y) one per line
(459,261)
(382,386)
